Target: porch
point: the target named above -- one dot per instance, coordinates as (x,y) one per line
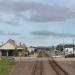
(7,53)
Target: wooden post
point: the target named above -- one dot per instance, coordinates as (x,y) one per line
(0,53)
(7,53)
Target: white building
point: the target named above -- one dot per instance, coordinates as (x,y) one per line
(31,49)
(69,51)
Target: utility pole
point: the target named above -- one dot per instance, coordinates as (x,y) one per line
(73,45)
(63,47)
(63,38)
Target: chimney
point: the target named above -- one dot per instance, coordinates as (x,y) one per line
(20,44)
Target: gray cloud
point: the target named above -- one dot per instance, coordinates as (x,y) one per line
(8,33)
(12,22)
(36,12)
(53,34)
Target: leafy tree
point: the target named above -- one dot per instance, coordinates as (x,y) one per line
(59,47)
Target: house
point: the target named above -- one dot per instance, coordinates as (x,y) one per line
(69,51)
(11,48)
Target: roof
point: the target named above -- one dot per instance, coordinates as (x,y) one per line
(7,46)
(11,44)
(20,47)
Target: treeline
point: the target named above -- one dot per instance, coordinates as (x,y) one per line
(60,47)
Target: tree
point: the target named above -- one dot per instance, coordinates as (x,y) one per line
(59,47)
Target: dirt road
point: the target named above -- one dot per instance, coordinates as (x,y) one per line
(22,68)
(34,67)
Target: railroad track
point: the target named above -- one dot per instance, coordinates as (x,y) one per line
(72,65)
(38,66)
(56,67)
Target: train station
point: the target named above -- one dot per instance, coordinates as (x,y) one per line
(37,37)
(11,48)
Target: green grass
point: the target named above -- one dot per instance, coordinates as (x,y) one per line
(6,66)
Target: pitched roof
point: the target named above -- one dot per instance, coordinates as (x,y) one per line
(11,44)
(7,46)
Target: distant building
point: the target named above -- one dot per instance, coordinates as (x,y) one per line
(31,49)
(68,51)
(11,48)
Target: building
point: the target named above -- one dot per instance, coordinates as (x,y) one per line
(31,49)
(69,51)
(11,48)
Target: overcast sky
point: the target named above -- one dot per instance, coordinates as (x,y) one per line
(37,22)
